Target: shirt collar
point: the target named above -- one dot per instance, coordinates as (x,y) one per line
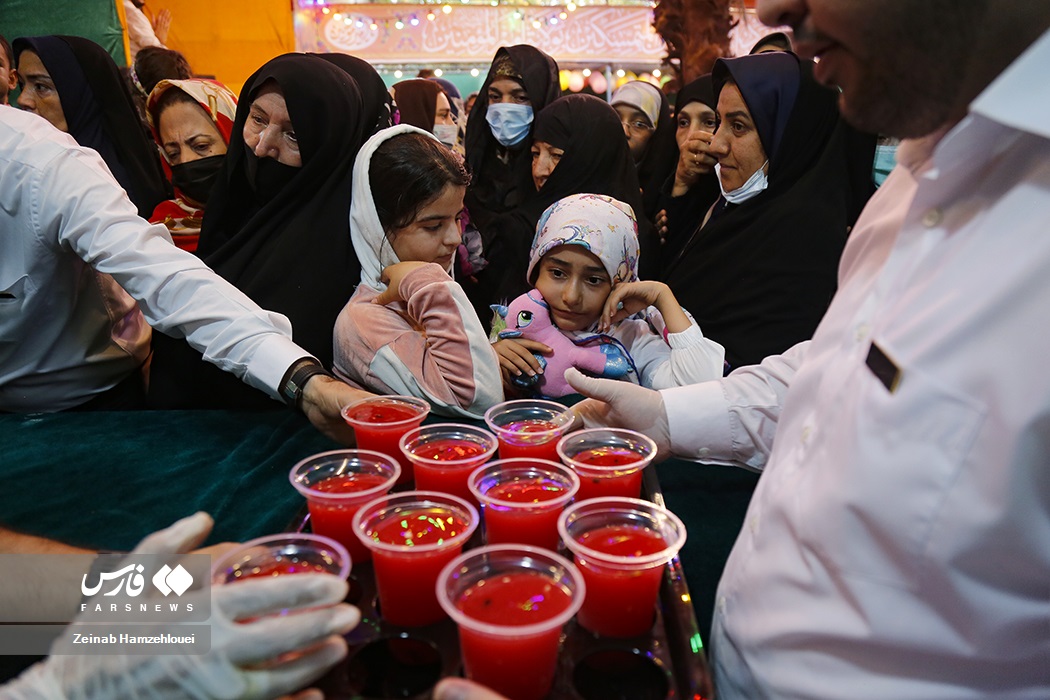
(1014,99)
(1018,97)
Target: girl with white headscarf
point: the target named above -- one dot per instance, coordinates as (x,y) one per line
(584,264)
(409,328)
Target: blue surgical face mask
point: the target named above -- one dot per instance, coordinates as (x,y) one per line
(885,159)
(754,185)
(509,122)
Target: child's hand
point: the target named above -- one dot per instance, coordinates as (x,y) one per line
(629,298)
(516,357)
(392,276)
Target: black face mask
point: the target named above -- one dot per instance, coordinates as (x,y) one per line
(267,176)
(196,179)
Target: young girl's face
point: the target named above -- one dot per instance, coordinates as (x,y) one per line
(435,234)
(575,285)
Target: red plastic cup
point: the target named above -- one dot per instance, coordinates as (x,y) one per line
(609,461)
(279,555)
(521,500)
(336,484)
(621,546)
(413,535)
(380,421)
(444,454)
(510,603)
(528,427)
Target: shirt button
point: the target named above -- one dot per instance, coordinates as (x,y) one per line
(862,332)
(703,452)
(722,604)
(932,217)
(805,434)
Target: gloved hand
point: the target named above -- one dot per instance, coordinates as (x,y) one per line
(246,659)
(462,689)
(616,404)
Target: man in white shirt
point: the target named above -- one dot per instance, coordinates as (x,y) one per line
(74,260)
(898,543)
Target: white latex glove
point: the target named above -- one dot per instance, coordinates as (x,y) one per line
(462,689)
(617,404)
(231,669)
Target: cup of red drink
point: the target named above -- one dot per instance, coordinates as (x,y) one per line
(621,546)
(522,498)
(528,427)
(336,484)
(279,555)
(380,421)
(609,461)
(510,603)
(444,454)
(413,535)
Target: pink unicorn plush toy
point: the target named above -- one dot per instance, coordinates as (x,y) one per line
(528,317)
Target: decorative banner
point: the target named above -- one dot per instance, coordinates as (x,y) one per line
(470,34)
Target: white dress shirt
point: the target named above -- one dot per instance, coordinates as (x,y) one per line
(68,333)
(898,543)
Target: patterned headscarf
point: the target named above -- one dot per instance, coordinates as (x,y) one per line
(604,226)
(643,96)
(217,101)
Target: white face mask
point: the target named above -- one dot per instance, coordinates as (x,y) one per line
(754,185)
(446,134)
(509,122)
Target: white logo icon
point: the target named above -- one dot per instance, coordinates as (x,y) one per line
(134,580)
(169,580)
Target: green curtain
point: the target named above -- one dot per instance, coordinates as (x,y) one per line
(97,20)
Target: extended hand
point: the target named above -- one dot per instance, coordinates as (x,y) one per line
(617,404)
(324,399)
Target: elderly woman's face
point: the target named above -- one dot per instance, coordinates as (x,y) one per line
(268,130)
(736,143)
(187,134)
(39,95)
(545,159)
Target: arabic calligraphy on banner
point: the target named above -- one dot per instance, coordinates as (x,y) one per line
(471,34)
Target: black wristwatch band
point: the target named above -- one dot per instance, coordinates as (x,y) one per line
(296,378)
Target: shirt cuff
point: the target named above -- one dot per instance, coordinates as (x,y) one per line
(270,361)
(698,422)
